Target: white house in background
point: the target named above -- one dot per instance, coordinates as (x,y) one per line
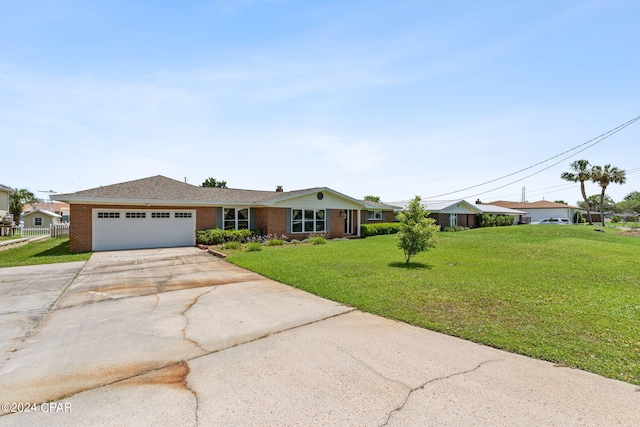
(40,218)
(451,213)
(540,210)
(4,200)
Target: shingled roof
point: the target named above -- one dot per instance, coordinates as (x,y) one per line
(542,204)
(160,189)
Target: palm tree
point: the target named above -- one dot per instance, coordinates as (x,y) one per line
(17,199)
(581,173)
(604,177)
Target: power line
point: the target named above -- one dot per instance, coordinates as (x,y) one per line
(597,140)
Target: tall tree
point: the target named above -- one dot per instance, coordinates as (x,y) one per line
(17,199)
(417,232)
(212,182)
(581,173)
(604,176)
(630,203)
(372,198)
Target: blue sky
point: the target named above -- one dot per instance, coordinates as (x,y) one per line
(390,98)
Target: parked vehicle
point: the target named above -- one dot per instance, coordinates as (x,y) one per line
(555,221)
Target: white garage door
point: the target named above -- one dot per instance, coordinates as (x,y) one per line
(138,229)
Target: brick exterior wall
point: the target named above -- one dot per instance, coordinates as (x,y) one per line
(271,220)
(387,216)
(81,224)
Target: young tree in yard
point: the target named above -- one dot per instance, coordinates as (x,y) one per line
(581,173)
(17,199)
(417,231)
(212,182)
(604,176)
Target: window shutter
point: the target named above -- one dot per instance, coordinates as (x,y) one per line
(327,218)
(288,225)
(252,219)
(219,218)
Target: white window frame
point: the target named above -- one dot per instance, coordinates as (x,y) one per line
(237,223)
(375,215)
(313,222)
(37,219)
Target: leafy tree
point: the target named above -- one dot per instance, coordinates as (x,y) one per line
(372,198)
(17,199)
(594,202)
(417,231)
(212,182)
(604,176)
(630,203)
(581,173)
(560,201)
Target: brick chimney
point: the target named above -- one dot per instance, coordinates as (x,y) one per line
(279,189)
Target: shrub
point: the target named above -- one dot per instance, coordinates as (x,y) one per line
(578,218)
(232,245)
(274,242)
(318,240)
(456,228)
(377,229)
(253,247)
(217,236)
(488,220)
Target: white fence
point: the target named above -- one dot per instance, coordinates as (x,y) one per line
(54,230)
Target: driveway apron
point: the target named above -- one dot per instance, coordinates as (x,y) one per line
(178,337)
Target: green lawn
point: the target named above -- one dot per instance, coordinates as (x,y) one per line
(565,294)
(45,252)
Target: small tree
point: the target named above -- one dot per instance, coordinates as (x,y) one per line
(212,182)
(17,199)
(417,231)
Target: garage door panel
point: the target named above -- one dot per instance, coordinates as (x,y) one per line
(132,229)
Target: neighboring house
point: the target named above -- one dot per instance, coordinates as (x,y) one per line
(40,218)
(162,212)
(540,210)
(4,199)
(460,213)
(62,209)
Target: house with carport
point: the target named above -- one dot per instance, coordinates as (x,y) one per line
(162,212)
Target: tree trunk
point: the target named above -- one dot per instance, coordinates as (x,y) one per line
(602,205)
(586,202)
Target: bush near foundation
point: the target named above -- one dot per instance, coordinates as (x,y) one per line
(217,236)
(377,229)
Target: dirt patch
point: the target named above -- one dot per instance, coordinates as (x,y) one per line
(631,233)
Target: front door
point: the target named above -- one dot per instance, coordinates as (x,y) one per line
(348,222)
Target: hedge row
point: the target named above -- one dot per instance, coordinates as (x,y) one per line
(487,220)
(217,236)
(377,229)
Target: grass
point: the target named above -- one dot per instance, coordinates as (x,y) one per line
(48,251)
(565,294)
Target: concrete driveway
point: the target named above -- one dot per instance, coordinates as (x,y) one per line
(176,337)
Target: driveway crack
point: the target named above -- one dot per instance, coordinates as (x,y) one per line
(431,381)
(186,318)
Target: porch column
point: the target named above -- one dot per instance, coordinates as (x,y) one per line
(358,223)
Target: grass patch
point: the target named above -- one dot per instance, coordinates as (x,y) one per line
(565,294)
(48,251)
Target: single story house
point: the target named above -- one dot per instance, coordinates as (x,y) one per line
(4,199)
(59,208)
(541,209)
(452,213)
(40,218)
(163,212)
